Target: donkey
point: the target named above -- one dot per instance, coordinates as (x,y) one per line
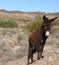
(38,38)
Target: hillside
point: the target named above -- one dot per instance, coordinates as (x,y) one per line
(50,58)
(19,15)
(14,40)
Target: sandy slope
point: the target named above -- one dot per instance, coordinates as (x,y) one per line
(50,58)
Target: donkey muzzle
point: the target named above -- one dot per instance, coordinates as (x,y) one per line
(47,33)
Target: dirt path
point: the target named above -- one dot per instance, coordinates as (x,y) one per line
(50,58)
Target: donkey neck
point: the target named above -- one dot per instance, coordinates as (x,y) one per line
(43,31)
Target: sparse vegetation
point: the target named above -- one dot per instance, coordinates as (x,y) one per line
(19,38)
(34,25)
(14,38)
(8,24)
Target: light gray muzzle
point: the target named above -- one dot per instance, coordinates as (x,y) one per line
(47,33)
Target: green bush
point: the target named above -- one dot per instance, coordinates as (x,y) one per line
(37,23)
(8,24)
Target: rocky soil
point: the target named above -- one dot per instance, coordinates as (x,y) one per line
(50,58)
(14,48)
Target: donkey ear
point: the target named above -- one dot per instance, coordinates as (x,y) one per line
(44,17)
(51,20)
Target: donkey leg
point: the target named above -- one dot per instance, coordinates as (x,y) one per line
(28,59)
(38,54)
(31,58)
(41,51)
(30,55)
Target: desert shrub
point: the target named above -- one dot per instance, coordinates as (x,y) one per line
(19,38)
(8,24)
(37,23)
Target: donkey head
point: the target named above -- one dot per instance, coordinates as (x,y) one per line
(47,24)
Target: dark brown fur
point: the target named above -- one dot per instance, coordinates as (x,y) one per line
(38,38)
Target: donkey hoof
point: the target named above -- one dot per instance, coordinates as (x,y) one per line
(42,56)
(38,58)
(27,63)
